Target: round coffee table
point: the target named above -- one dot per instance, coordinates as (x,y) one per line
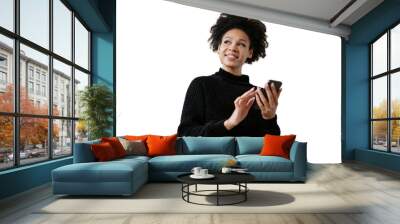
(238,179)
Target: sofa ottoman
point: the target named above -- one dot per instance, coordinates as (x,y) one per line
(119,177)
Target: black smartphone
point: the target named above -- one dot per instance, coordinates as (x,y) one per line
(277,85)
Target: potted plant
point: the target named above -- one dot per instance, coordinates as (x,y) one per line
(97,106)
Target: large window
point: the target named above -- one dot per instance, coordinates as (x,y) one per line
(385,91)
(44,63)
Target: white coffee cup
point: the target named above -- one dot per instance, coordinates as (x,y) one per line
(203,172)
(226,170)
(196,170)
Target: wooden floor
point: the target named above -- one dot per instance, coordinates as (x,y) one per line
(377,188)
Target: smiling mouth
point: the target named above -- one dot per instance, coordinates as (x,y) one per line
(231,56)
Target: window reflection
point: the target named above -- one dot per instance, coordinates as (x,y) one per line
(379,100)
(395,47)
(7,14)
(34,21)
(379,56)
(81,45)
(62,29)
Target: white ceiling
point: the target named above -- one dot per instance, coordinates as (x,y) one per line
(316,15)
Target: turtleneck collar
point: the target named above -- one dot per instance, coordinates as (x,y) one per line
(229,76)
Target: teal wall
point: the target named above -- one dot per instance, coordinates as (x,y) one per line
(102,58)
(356,73)
(103,63)
(24,178)
(103,53)
(99,16)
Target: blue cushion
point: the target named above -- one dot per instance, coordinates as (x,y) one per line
(257,163)
(83,153)
(249,145)
(133,157)
(185,163)
(111,171)
(206,145)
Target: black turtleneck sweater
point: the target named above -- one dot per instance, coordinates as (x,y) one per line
(209,102)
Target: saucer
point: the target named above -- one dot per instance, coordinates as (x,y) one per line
(208,176)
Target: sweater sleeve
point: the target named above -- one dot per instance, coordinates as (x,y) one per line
(193,121)
(270,126)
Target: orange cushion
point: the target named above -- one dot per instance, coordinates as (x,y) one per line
(277,145)
(161,145)
(103,151)
(116,145)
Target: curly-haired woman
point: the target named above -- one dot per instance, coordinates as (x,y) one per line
(221,104)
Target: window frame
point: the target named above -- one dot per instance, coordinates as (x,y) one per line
(388,74)
(15,72)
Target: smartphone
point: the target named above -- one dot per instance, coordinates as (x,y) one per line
(277,85)
(255,105)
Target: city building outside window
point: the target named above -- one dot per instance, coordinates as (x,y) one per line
(3,78)
(38,89)
(3,60)
(43,77)
(43,90)
(3,72)
(37,75)
(30,86)
(30,72)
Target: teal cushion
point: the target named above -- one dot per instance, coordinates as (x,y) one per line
(83,153)
(257,163)
(133,157)
(185,163)
(111,171)
(206,145)
(249,145)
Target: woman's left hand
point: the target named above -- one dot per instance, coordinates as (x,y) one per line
(268,106)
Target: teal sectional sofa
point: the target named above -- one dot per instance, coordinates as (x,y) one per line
(125,176)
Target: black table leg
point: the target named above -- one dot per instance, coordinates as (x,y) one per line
(245,193)
(217,194)
(188,190)
(182,190)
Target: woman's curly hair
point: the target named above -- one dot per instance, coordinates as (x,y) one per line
(255,29)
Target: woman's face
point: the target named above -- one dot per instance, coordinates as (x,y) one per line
(234,49)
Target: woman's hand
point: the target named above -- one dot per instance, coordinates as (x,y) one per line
(242,106)
(268,106)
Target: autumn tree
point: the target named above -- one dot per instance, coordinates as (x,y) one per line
(6,122)
(380,127)
(33,131)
